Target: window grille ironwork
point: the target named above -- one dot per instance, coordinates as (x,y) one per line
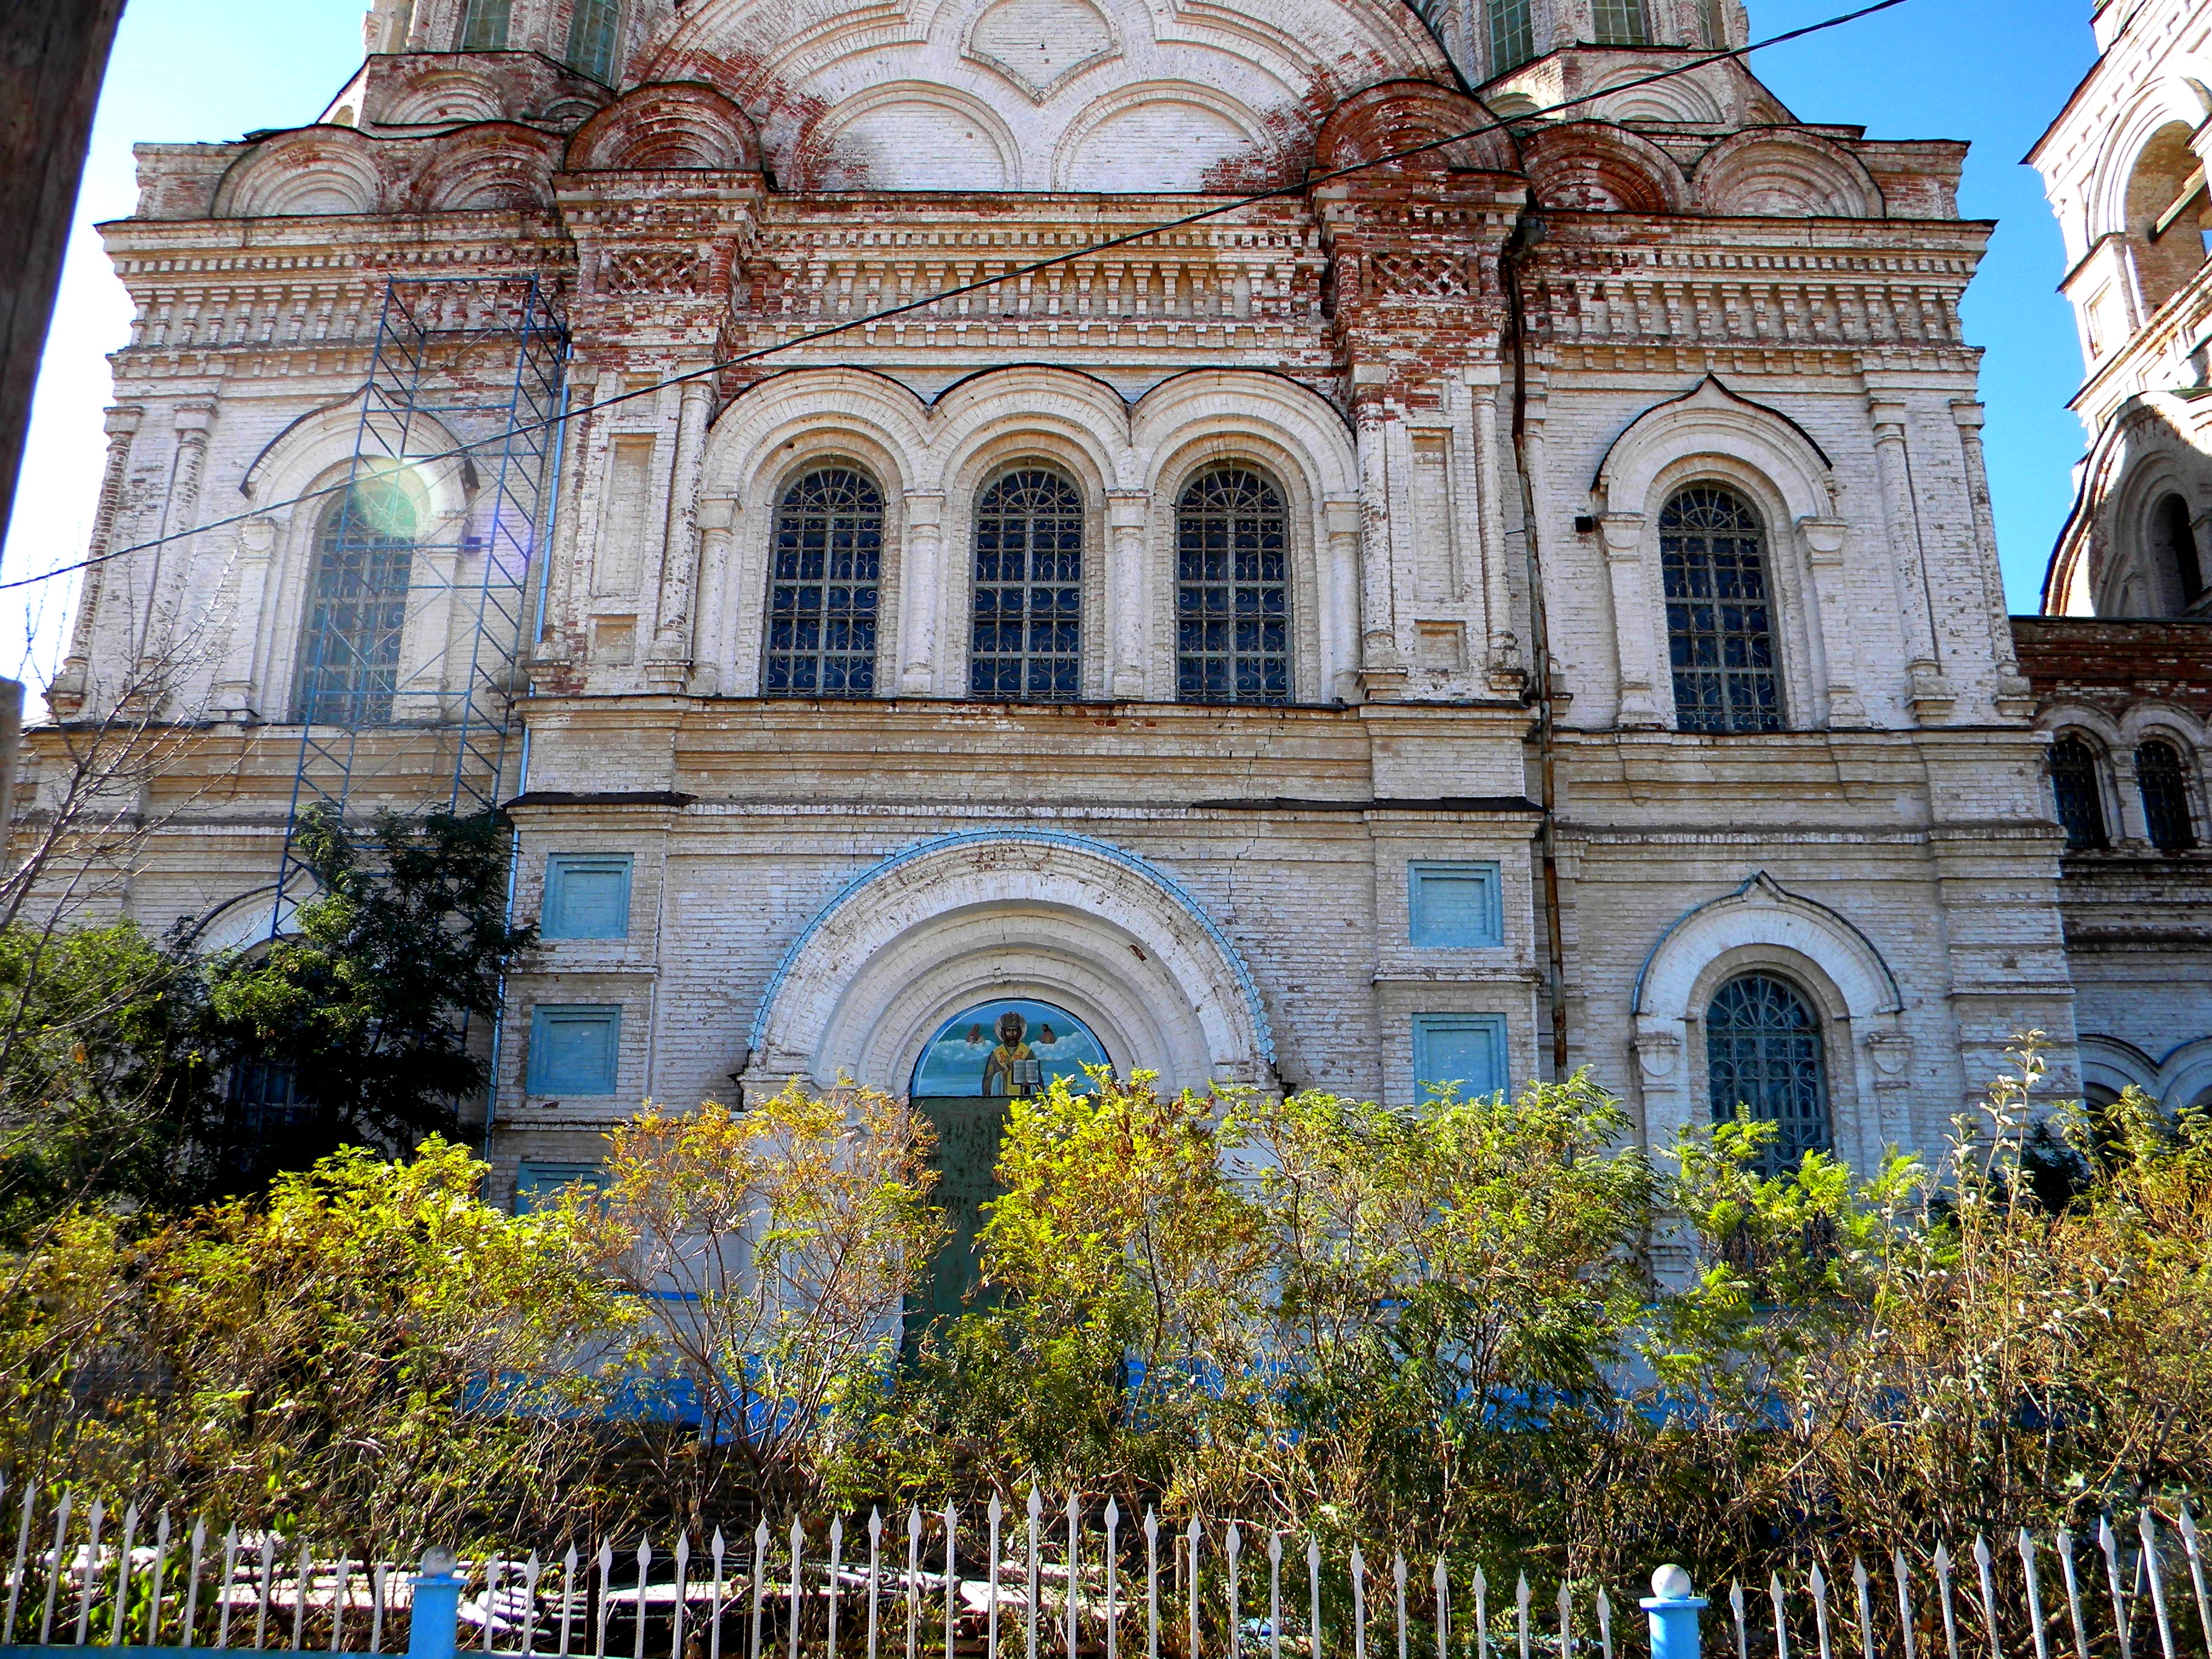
(1762,1051)
(1720,620)
(2075,793)
(484,27)
(594,32)
(826,587)
(2163,778)
(357,607)
(1028,605)
(1232,592)
(1620,23)
(1512,34)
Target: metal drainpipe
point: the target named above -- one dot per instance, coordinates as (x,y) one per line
(1528,231)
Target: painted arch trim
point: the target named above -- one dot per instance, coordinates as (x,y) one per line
(1158,879)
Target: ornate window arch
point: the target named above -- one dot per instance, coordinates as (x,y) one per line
(356,606)
(1682,583)
(2166,208)
(2077,791)
(1232,589)
(1721,642)
(825,586)
(1026,603)
(2162,775)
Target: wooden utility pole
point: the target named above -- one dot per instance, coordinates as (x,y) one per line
(53,56)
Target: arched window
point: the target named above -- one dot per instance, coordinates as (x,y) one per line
(1512,34)
(1762,1051)
(823,587)
(1232,590)
(594,36)
(2165,210)
(2163,779)
(1620,23)
(357,606)
(1027,635)
(484,26)
(2174,548)
(2076,792)
(1720,624)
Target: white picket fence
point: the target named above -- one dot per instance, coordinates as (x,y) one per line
(1070,1578)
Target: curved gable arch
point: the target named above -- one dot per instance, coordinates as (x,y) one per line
(1713,420)
(908,941)
(2174,101)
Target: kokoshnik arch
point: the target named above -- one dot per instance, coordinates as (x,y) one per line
(1147,643)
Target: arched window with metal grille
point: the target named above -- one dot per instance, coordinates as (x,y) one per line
(356,616)
(2076,792)
(1027,638)
(1720,616)
(1764,1053)
(2163,777)
(825,584)
(485,25)
(1232,590)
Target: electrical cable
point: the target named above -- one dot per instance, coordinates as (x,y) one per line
(903,307)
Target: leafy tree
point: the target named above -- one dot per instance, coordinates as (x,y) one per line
(368,1000)
(367,1351)
(106,1088)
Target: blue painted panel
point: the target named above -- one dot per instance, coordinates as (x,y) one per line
(573,1050)
(1456,904)
(1467,1049)
(587,896)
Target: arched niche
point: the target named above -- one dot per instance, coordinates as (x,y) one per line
(1761,927)
(1067,920)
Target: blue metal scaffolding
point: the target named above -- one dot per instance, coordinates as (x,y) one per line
(411,658)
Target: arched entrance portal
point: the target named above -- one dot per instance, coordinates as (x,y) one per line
(971,1070)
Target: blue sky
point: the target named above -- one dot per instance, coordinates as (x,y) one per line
(1990,71)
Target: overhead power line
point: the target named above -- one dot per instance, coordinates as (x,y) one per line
(1089,250)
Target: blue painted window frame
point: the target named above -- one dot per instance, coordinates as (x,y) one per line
(1429,1029)
(534,1179)
(546,1073)
(561,916)
(1424,927)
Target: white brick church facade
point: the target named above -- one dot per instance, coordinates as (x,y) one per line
(1257,789)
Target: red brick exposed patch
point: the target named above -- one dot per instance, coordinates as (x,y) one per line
(2107,665)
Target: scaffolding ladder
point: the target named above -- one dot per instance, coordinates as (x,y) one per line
(411,656)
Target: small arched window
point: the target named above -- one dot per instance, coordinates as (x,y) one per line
(823,587)
(484,28)
(1762,1051)
(1620,23)
(2163,777)
(2076,792)
(2174,548)
(1232,590)
(357,606)
(594,37)
(1512,34)
(1720,621)
(1027,639)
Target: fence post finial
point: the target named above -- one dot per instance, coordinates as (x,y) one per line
(1674,1613)
(433,1623)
